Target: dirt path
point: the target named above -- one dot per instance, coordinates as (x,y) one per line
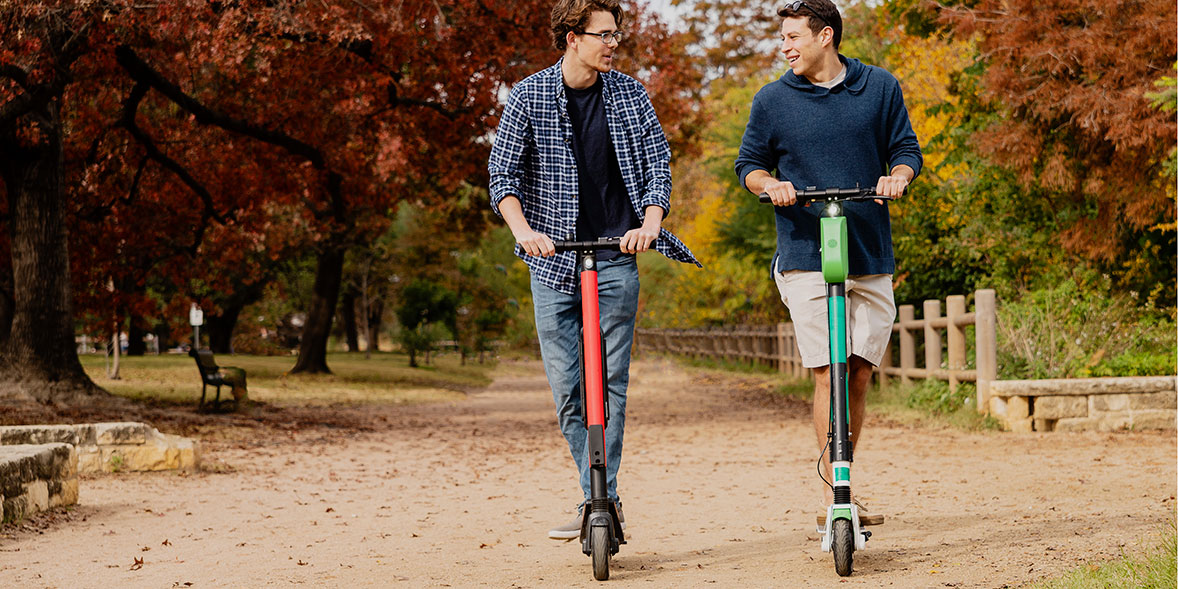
(718,483)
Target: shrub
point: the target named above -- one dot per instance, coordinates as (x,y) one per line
(1067,331)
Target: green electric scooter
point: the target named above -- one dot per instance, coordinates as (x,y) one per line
(842,534)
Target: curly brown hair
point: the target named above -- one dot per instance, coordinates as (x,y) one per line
(571,15)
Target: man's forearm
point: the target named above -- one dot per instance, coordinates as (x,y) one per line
(654,217)
(513,214)
(904,171)
(756,181)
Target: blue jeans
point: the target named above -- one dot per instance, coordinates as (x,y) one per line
(558,325)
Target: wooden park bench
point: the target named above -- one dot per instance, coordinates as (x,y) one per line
(213,375)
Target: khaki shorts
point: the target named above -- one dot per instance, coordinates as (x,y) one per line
(871,310)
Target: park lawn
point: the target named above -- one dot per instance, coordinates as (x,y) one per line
(385,378)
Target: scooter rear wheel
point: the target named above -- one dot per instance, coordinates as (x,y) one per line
(842,544)
(599,546)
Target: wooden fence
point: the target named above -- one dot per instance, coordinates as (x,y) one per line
(776,345)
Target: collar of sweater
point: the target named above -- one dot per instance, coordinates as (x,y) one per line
(855,82)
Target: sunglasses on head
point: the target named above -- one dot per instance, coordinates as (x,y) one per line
(798,5)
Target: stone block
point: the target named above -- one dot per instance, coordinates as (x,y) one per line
(1110,403)
(1044,425)
(68,495)
(1163,400)
(1062,406)
(35,478)
(1115,421)
(998,407)
(14,508)
(1020,425)
(11,435)
(89,460)
(187,451)
(1076,424)
(1155,419)
(1018,408)
(107,434)
(37,496)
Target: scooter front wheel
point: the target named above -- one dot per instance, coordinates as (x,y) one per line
(599,546)
(842,544)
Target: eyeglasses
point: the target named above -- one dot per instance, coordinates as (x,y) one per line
(797,6)
(605,37)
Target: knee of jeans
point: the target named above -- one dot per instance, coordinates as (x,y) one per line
(617,407)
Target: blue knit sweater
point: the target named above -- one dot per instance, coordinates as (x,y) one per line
(851,134)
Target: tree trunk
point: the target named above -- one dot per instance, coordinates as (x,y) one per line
(163,337)
(7,306)
(375,319)
(313,346)
(347,313)
(220,328)
(115,349)
(135,332)
(39,360)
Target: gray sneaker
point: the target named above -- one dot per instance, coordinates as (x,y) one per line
(572,529)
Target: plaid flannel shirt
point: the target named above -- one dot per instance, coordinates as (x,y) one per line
(532,159)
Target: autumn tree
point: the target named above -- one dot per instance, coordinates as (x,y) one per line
(196,128)
(42,45)
(1076,121)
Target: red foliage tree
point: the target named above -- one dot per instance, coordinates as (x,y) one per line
(162,124)
(1070,78)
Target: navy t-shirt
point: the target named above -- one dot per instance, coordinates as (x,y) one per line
(605,208)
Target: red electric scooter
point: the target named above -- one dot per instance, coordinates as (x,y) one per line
(601,532)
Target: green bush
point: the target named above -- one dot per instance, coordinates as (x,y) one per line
(933,396)
(1068,330)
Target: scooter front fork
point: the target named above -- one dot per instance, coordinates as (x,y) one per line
(600,512)
(839,432)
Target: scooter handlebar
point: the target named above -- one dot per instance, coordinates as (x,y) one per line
(605,243)
(811,194)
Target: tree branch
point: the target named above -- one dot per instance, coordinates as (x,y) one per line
(130,106)
(396,100)
(16,74)
(143,73)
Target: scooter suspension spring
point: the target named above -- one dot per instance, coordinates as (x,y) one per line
(842,495)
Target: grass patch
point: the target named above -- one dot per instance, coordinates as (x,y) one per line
(1154,569)
(385,378)
(923,402)
(930,402)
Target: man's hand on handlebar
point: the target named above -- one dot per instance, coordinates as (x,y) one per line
(891,186)
(638,240)
(535,243)
(781,194)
